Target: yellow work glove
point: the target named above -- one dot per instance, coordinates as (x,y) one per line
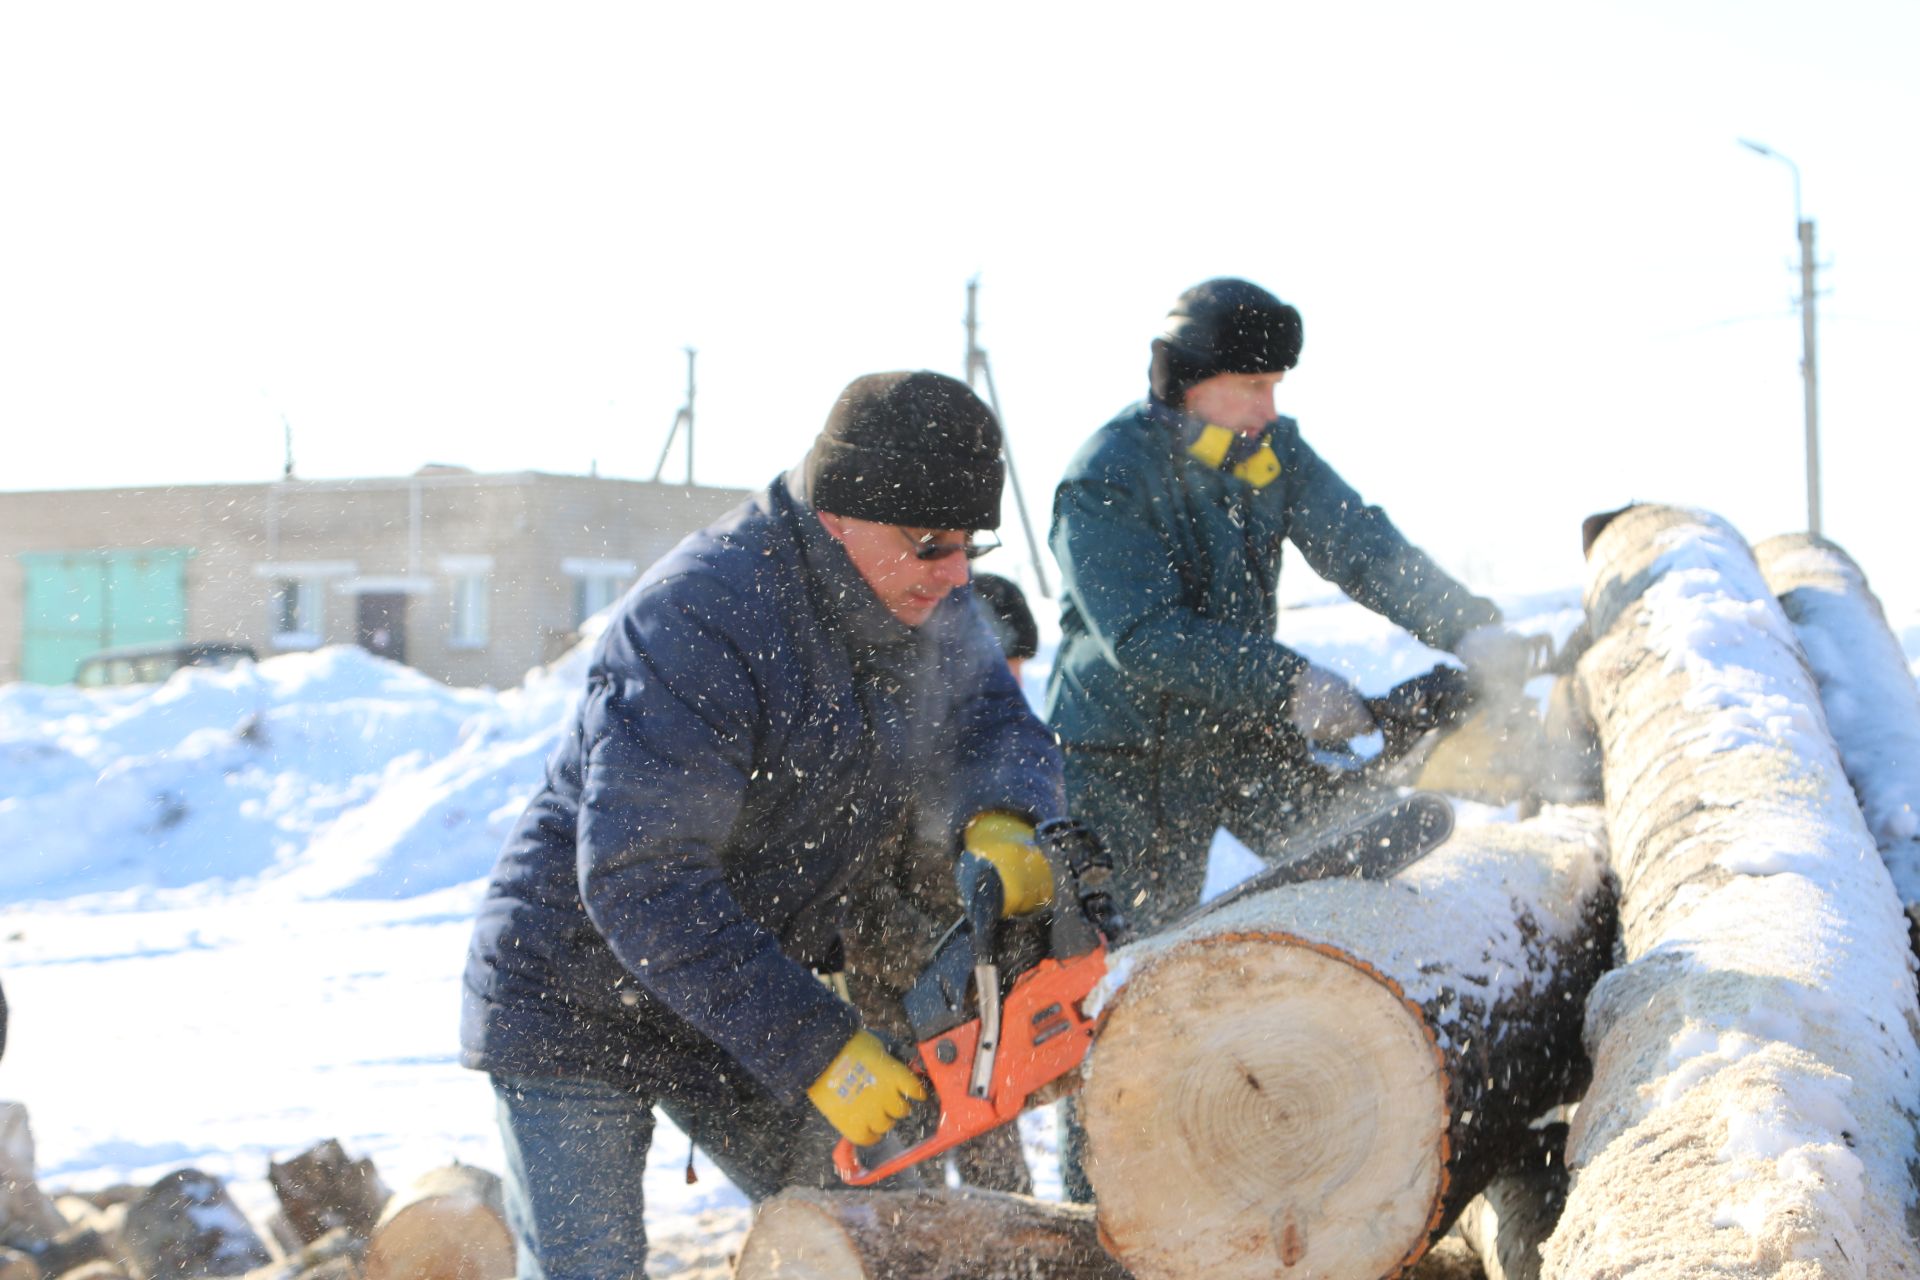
(864,1090)
(1007,841)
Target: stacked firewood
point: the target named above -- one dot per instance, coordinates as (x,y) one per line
(336,1221)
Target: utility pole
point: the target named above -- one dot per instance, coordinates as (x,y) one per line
(977,366)
(1809,372)
(286,435)
(683,418)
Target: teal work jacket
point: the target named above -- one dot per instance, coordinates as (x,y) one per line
(1170,578)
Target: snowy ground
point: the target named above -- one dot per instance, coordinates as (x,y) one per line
(233,911)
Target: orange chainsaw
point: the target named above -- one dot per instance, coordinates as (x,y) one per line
(1028,981)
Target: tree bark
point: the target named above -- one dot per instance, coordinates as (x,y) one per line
(1866,689)
(449,1225)
(321,1189)
(965,1234)
(1751,1058)
(1314,1081)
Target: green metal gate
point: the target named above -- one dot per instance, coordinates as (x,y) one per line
(80,602)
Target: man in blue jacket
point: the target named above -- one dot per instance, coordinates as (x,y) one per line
(1178,707)
(770,707)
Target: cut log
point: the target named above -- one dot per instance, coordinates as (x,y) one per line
(16,1265)
(339,1246)
(1866,689)
(187,1225)
(449,1225)
(1506,1224)
(1315,1080)
(94,1271)
(320,1189)
(963,1234)
(75,1247)
(1755,1059)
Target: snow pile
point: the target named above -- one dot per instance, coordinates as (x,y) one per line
(331,773)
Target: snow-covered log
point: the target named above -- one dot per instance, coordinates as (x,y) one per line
(1866,688)
(187,1225)
(450,1224)
(1313,1081)
(964,1234)
(1754,1062)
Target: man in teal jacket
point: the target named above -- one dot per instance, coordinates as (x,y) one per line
(1178,709)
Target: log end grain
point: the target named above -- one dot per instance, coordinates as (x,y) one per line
(1265,1106)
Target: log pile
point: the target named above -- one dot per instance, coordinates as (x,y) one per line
(1754,1057)
(447,1225)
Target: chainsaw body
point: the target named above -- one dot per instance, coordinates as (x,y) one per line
(994,1023)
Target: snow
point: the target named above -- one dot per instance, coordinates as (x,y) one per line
(234,910)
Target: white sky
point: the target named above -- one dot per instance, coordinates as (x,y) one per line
(1539,276)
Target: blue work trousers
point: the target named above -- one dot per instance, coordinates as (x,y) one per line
(576,1154)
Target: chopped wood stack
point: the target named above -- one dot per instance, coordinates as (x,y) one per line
(447,1225)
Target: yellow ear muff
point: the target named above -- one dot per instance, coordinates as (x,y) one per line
(1262,469)
(1212,445)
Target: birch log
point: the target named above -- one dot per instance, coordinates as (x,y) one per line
(1866,689)
(1754,1062)
(966,1234)
(1508,1222)
(1314,1081)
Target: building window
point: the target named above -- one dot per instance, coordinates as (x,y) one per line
(594,592)
(297,622)
(596,583)
(467,627)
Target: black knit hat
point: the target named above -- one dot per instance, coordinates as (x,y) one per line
(1223,326)
(915,449)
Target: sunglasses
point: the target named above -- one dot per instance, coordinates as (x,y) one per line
(925,548)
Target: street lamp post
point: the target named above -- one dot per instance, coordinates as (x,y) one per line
(1809,376)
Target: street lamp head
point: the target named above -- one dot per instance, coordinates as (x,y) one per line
(1754,146)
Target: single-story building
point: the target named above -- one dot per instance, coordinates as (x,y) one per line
(470,578)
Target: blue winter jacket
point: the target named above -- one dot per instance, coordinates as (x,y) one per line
(1170,574)
(756,728)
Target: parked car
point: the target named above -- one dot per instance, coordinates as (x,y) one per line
(150,663)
